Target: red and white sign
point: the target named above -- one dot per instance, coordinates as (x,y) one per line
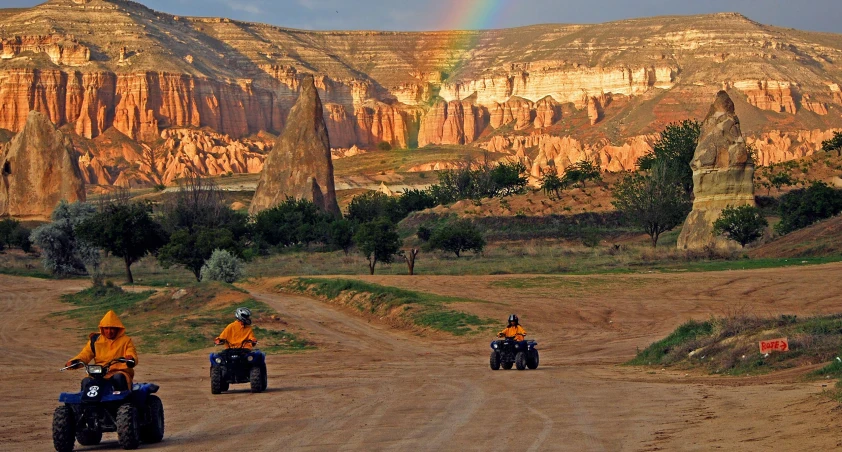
(774,345)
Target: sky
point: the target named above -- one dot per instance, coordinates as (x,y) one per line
(418,15)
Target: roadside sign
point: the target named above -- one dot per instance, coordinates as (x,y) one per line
(774,345)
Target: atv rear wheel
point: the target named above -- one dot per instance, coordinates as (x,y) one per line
(128,431)
(532,361)
(507,365)
(494,361)
(520,360)
(88,438)
(63,426)
(216,380)
(153,430)
(256,379)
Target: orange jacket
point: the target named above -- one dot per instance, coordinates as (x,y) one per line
(107,349)
(235,333)
(516,331)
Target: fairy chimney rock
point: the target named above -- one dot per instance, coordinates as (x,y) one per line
(299,165)
(723,174)
(38,168)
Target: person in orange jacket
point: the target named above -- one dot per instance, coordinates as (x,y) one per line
(513,330)
(238,331)
(109,344)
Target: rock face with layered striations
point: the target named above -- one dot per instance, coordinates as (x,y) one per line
(299,166)
(723,172)
(38,168)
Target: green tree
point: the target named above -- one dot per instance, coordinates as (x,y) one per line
(805,206)
(674,150)
(507,179)
(372,205)
(581,172)
(551,184)
(62,251)
(456,237)
(414,200)
(126,230)
(192,249)
(833,144)
(7,231)
(743,224)
(341,234)
(292,222)
(655,202)
(378,242)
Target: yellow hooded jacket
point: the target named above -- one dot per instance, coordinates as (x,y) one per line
(109,349)
(235,333)
(516,331)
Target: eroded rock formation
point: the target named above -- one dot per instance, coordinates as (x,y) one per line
(299,166)
(723,174)
(38,169)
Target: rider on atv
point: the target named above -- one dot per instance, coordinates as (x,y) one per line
(110,344)
(238,333)
(514,330)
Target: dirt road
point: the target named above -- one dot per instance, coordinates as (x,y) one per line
(368,387)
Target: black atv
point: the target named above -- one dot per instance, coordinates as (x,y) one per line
(508,352)
(238,365)
(135,414)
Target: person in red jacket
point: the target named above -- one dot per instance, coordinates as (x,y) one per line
(109,344)
(513,330)
(238,331)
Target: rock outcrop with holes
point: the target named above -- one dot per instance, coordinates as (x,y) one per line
(723,174)
(38,169)
(299,166)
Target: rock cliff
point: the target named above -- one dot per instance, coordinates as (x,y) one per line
(723,175)
(38,169)
(300,165)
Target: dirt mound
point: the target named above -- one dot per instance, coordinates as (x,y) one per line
(821,239)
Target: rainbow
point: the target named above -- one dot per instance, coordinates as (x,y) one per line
(473,14)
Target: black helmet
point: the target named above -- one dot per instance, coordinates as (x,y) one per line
(243,315)
(513,318)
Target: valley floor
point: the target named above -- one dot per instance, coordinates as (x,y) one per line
(369,387)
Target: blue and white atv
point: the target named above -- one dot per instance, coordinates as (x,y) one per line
(508,352)
(238,365)
(135,414)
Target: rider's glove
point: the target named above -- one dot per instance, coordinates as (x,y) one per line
(217,341)
(130,363)
(499,334)
(72,362)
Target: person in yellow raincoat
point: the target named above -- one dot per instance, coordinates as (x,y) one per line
(513,330)
(109,344)
(238,331)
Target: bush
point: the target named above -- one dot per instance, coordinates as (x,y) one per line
(743,224)
(384,146)
(456,237)
(291,222)
(803,207)
(63,253)
(222,266)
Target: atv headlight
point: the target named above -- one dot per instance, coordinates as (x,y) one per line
(250,358)
(495,345)
(95,370)
(217,360)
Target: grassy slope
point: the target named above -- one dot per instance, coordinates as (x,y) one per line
(730,345)
(416,308)
(160,323)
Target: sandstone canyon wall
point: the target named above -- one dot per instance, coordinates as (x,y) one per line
(300,164)
(38,169)
(723,175)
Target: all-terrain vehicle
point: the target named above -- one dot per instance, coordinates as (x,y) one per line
(508,352)
(238,365)
(135,413)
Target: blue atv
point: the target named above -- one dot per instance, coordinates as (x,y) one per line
(508,352)
(135,414)
(238,365)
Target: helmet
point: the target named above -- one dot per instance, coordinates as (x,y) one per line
(513,318)
(243,315)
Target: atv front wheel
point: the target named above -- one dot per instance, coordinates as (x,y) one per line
(216,380)
(494,361)
(256,379)
(532,360)
(128,431)
(153,430)
(520,360)
(507,365)
(88,438)
(63,426)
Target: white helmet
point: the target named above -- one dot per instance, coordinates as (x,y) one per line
(243,315)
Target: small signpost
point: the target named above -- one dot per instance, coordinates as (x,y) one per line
(774,345)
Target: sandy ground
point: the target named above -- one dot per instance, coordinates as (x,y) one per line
(368,387)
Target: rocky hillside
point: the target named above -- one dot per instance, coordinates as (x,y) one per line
(544,92)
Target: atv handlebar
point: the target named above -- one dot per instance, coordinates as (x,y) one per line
(130,362)
(221,341)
